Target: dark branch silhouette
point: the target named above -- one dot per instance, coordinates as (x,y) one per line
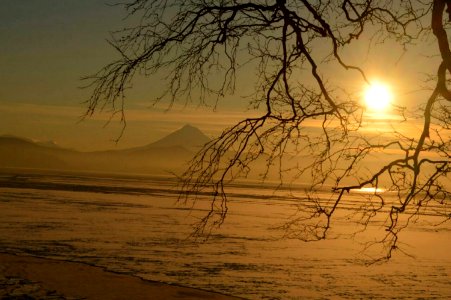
(303,113)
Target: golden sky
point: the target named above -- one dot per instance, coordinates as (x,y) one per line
(48,45)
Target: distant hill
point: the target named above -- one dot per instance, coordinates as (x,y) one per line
(15,139)
(170,153)
(24,153)
(51,144)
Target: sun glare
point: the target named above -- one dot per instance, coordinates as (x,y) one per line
(378,96)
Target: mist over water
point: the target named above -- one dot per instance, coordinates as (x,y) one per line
(134,225)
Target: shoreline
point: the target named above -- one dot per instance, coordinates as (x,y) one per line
(46,278)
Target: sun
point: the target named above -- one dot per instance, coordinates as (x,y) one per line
(378,96)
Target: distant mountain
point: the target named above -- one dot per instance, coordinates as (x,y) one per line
(170,153)
(188,137)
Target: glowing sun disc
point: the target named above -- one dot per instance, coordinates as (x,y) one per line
(378,96)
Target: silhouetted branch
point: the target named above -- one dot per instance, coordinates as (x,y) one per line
(202,46)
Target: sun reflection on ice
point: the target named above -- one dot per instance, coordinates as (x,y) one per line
(369,190)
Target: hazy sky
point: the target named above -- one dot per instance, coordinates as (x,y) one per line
(48,45)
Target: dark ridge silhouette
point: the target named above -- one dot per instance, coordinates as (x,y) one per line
(17,139)
(170,153)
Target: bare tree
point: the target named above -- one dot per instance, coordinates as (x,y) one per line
(289,46)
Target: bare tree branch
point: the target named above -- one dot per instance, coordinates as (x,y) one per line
(289,46)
